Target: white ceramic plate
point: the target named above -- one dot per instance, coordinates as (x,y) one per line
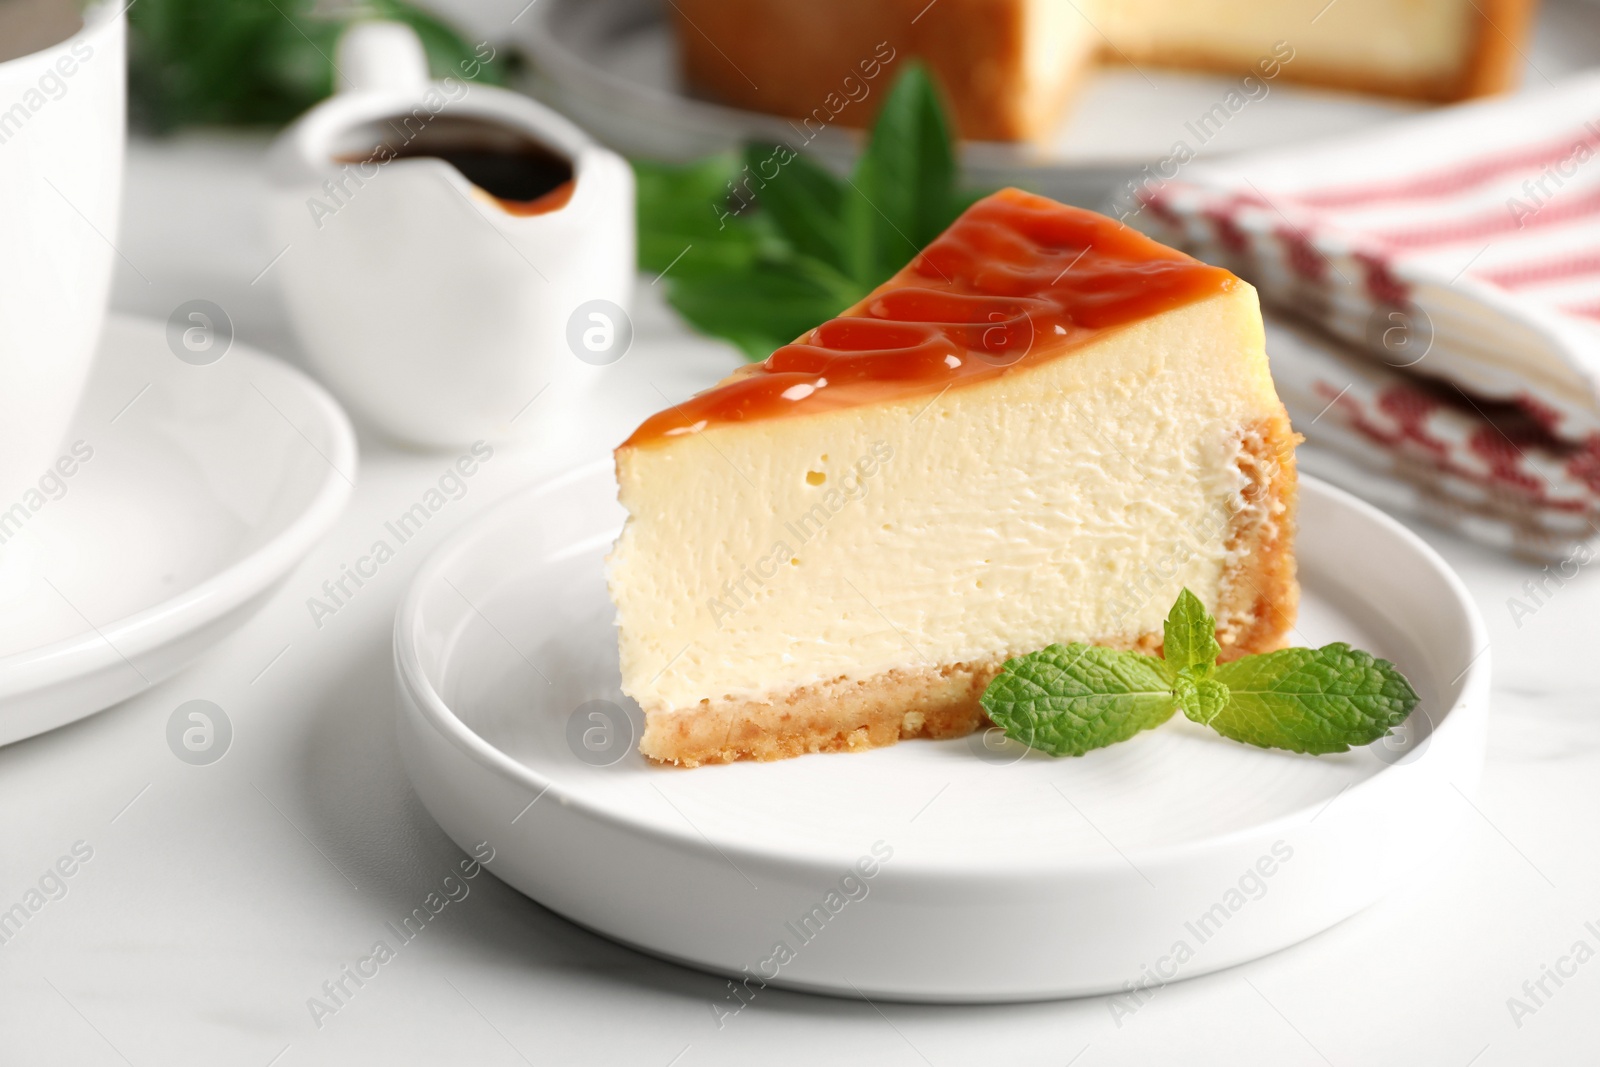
(1012,875)
(202,488)
(612,66)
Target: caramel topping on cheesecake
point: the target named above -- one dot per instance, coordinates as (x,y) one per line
(1016,280)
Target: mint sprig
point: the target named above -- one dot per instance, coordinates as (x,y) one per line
(759,247)
(1069,699)
(1312,700)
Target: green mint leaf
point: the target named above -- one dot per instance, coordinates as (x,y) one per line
(1189,640)
(902,194)
(764,306)
(1202,699)
(687,207)
(1069,699)
(803,200)
(759,249)
(1312,700)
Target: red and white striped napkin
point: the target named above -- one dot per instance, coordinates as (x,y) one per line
(1446,273)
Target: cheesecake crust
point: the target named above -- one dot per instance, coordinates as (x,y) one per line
(842,715)
(1259,598)
(1260,595)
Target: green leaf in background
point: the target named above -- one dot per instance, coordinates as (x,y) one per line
(761,249)
(689,226)
(1313,700)
(263,62)
(902,193)
(1070,699)
(804,203)
(1189,640)
(764,306)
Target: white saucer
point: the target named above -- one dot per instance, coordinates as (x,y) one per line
(1013,875)
(205,486)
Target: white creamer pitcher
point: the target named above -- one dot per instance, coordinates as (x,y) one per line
(436,309)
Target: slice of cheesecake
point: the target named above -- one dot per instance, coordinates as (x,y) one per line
(1039,431)
(1009,66)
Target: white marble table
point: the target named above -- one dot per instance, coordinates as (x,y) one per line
(218,899)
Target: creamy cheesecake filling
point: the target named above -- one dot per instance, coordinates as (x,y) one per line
(1381,40)
(1069,500)
(1058,45)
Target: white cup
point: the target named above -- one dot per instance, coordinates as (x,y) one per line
(434,312)
(62,122)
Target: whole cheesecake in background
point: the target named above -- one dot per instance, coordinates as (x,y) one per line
(1009,66)
(1039,431)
